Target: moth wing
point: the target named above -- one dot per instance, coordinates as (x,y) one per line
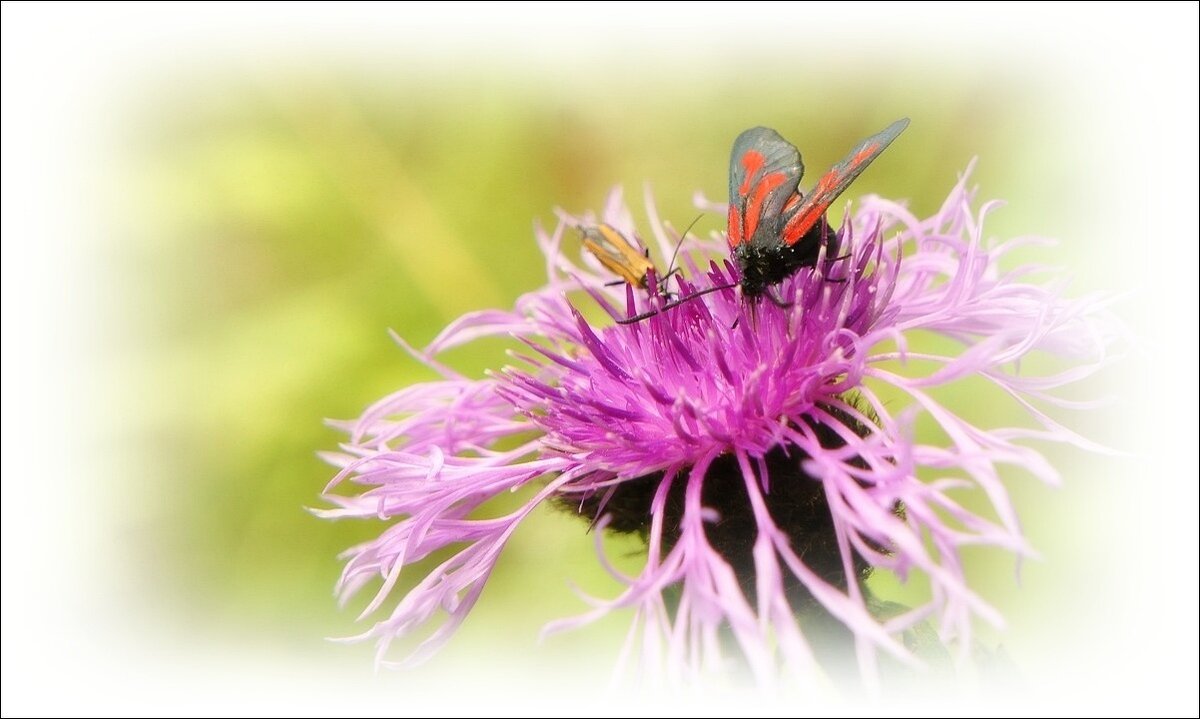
(806,213)
(764,173)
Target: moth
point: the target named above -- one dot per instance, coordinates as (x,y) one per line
(775,229)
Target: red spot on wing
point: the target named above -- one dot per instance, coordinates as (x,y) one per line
(754,207)
(819,201)
(827,183)
(752,161)
(735,227)
(832,185)
(792,202)
(864,155)
(799,225)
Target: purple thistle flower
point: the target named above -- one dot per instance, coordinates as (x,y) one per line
(767,455)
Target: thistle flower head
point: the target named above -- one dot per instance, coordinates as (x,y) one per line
(766,452)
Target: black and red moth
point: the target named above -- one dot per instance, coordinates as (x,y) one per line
(774,230)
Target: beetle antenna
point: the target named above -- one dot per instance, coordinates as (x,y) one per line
(678,245)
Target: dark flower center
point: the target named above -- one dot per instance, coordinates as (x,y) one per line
(796,502)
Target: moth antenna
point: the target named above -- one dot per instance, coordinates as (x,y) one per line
(676,303)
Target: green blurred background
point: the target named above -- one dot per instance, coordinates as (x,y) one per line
(271,224)
(213,213)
